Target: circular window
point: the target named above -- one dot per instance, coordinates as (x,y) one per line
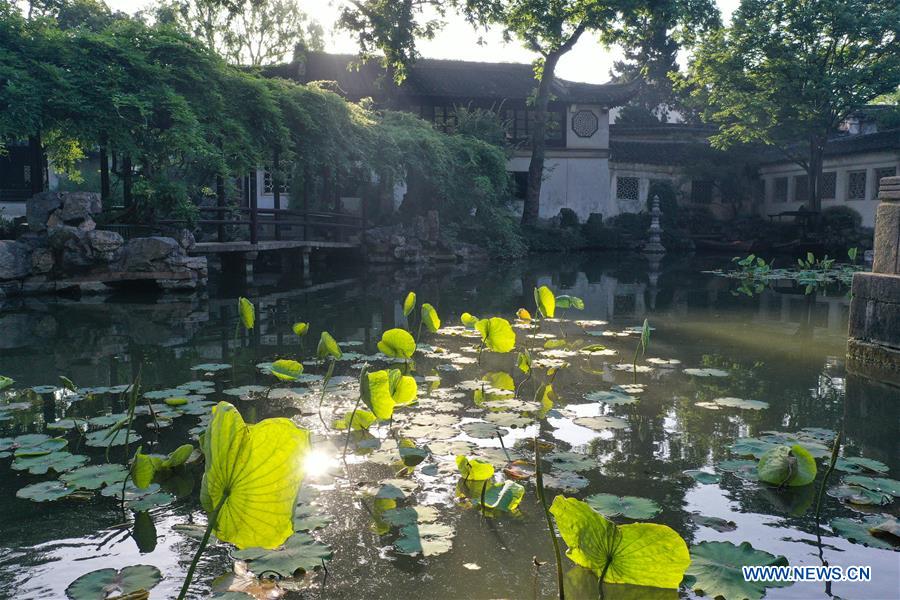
(585,123)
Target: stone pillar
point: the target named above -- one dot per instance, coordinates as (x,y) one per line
(874,345)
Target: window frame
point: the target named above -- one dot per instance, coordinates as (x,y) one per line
(620,179)
(833,177)
(777,197)
(859,174)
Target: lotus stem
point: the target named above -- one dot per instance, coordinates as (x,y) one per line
(350,422)
(539,479)
(210,525)
(835,449)
(502,445)
(328,375)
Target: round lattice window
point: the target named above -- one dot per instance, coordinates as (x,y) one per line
(585,123)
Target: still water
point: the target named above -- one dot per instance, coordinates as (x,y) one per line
(781,347)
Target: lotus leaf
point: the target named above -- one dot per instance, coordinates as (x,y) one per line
(31,446)
(211,367)
(877,484)
(645,554)
(427,539)
(481,429)
(468,320)
(716,523)
(566,301)
(105,582)
(5,382)
(787,465)
(251,477)
(545,301)
(110,437)
(286,370)
(497,334)
(630,507)
(430,318)
(300,329)
(409,304)
(474,469)
(716,570)
(571,461)
(45,491)
(598,423)
(306,519)
(359,420)
(706,372)
(149,501)
(60,462)
(741,403)
(95,476)
(858,464)
(861,532)
(855,494)
(328,347)
(401,517)
(247,313)
(397,343)
(702,476)
(611,398)
(299,554)
(523,315)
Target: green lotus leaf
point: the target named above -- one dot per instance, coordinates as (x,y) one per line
(566,301)
(397,343)
(45,491)
(496,334)
(860,496)
(361,419)
(178,456)
(404,388)
(630,507)
(751,447)
(111,437)
(149,501)
(703,476)
(706,372)
(716,570)
(555,344)
(60,462)
(300,329)
(481,429)
(144,468)
(95,476)
(109,420)
(787,465)
(427,539)
(611,398)
(858,464)
(252,475)
(211,367)
(741,403)
(105,582)
(247,312)
(715,523)
(328,347)
(861,532)
(5,382)
(645,554)
(39,448)
(474,469)
(545,301)
(571,461)
(523,361)
(430,318)
(409,304)
(876,484)
(176,401)
(401,517)
(286,370)
(410,454)
(307,519)
(565,481)
(468,320)
(376,394)
(299,554)
(602,422)
(504,497)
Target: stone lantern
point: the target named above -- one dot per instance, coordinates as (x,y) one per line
(654,243)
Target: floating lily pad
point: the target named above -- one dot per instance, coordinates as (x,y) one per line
(745,469)
(716,523)
(211,367)
(565,481)
(401,517)
(107,420)
(741,403)
(110,437)
(37,445)
(395,489)
(610,398)
(630,507)
(877,484)
(505,419)
(706,372)
(95,476)
(860,531)
(299,554)
(703,476)
(715,570)
(598,423)
(427,539)
(751,447)
(787,465)
(481,429)
(245,392)
(60,462)
(571,461)
(45,491)
(855,494)
(104,582)
(858,464)
(150,501)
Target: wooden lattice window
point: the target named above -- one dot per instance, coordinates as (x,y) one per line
(829,185)
(801,188)
(627,188)
(856,185)
(780,191)
(269,182)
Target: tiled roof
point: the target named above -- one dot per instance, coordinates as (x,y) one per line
(889,139)
(656,153)
(449,79)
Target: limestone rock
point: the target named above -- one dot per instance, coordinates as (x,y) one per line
(186,239)
(141,253)
(54,209)
(80,206)
(41,261)
(15,260)
(106,246)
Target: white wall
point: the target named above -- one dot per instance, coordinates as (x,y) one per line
(579,182)
(870,162)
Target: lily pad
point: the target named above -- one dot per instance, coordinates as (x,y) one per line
(784,465)
(401,517)
(860,531)
(110,437)
(715,523)
(703,476)
(105,582)
(751,447)
(481,429)
(37,445)
(598,423)
(571,461)
(741,403)
(427,539)
(565,481)
(150,501)
(876,484)
(630,507)
(715,570)
(861,496)
(45,491)
(858,464)
(610,398)
(60,462)
(299,554)
(708,372)
(95,476)
(211,367)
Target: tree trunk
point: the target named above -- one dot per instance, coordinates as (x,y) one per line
(126,180)
(816,159)
(531,210)
(104,175)
(36,163)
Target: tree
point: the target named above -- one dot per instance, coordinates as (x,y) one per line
(787,72)
(245,32)
(651,35)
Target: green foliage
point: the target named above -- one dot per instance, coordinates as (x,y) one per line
(247,312)
(397,343)
(497,334)
(430,318)
(787,465)
(328,347)
(409,304)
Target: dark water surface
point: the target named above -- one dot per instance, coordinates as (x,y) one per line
(781,347)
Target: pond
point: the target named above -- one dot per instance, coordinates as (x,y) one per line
(722,371)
